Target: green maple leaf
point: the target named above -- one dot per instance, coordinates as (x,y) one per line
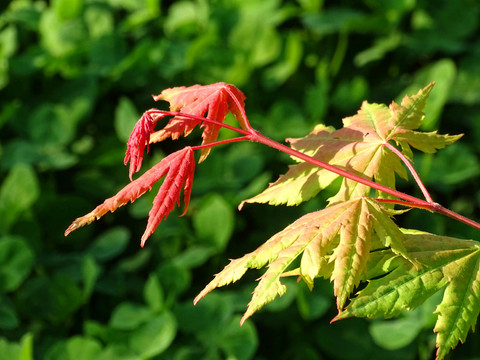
(359,147)
(339,236)
(450,263)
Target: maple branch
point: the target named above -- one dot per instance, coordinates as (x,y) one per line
(447,212)
(412,171)
(409,200)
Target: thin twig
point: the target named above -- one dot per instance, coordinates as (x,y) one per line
(410,204)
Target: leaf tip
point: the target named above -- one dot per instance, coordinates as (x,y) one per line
(244,318)
(335,319)
(340,316)
(201,295)
(144,238)
(71,228)
(79,222)
(197,299)
(240,207)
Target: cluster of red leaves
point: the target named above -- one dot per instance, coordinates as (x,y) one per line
(188,107)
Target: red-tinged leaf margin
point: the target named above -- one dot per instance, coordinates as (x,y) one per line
(179,168)
(212,101)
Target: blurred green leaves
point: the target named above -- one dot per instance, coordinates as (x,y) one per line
(214,222)
(18,193)
(61,32)
(109,244)
(126,117)
(213,322)
(8,44)
(445,71)
(129,316)
(16,262)
(17,351)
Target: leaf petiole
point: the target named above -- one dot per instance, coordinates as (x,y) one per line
(220,142)
(240,108)
(410,167)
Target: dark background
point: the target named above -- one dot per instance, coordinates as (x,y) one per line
(75,75)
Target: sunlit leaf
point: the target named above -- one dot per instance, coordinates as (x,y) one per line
(446,262)
(358,147)
(337,231)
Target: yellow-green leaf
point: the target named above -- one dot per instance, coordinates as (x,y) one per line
(450,263)
(359,147)
(340,234)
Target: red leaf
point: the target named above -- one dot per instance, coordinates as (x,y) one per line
(179,168)
(214,101)
(139,138)
(180,173)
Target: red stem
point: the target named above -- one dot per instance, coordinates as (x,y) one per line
(412,171)
(444,211)
(257,137)
(436,208)
(226,141)
(410,201)
(406,203)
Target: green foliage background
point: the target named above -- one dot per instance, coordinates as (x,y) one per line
(75,75)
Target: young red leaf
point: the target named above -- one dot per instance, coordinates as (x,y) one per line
(214,101)
(180,173)
(178,167)
(139,138)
